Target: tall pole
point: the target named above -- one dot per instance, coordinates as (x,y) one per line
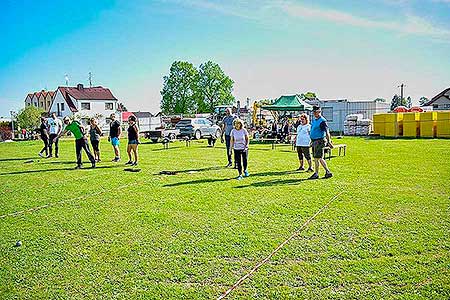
(401,86)
(12,123)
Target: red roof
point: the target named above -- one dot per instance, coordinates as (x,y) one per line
(126,115)
(93,93)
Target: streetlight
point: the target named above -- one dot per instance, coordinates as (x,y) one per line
(13,113)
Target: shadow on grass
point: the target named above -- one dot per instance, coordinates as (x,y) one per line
(211,180)
(165,149)
(166,172)
(53,170)
(199,181)
(17,158)
(273,183)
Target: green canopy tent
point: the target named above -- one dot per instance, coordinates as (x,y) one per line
(288,103)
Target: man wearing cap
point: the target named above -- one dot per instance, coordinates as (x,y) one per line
(80,140)
(227,126)
(114,134)
(320,137)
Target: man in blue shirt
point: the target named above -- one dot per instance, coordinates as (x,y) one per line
(227,126)
(320,137)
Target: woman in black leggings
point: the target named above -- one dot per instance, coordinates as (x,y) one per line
(239,143)
(44,136)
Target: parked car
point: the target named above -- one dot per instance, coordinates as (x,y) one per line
(197,128)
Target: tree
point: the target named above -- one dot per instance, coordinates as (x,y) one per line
(180,89)
(423,101)
(215,88)
(380,100)
(408,102)
(397,101)
(121,107)
(29,117)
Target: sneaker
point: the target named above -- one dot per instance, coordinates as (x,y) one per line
(134,164)
(99,160)
(49,156)
(40,154)
(56,155)
(246,174)
(129,162)
(314,176)
(239,177)
(78,167)
(301,169)
(93,164)
(328,175)
(227,166)
(310,170)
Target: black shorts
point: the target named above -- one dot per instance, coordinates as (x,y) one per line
(303,152)
(95,145)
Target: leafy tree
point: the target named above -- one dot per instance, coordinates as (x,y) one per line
(121,107)
(397,101)
(29,117)
(380,100)
(423,101)
(214,86)
(408,102)
(308,96)
(180,89)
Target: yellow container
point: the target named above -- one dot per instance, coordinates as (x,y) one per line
(393,123)
(443,124)
(378,124)
(411,124)
(428,124)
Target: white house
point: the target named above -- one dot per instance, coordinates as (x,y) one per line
(85,103)
(441,101)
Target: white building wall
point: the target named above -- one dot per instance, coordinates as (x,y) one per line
(59,99)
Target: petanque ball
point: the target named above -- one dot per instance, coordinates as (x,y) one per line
(18,243)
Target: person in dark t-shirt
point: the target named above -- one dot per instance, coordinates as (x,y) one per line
(133,141)
(44,136)
(114,135)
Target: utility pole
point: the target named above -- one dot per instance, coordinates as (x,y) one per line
(90,79)
(401,86)
(66,77)
(12,123)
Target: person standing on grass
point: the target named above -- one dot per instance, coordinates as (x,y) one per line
(43,131)
(239,143)
(320,137)
(80,140)
(303,142)
(133,141)
(227,126)
(94,135)
(114,135)
(54,128)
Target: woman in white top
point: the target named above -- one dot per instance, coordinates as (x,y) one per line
(239,143)
(303,142)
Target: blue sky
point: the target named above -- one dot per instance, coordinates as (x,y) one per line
(338,49)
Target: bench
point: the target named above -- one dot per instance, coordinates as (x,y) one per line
(338,146)
(273,141)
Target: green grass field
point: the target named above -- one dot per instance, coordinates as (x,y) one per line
(106,233)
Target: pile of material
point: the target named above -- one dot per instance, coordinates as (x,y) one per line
(355,124)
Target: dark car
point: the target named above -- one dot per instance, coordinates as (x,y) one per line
(197,128)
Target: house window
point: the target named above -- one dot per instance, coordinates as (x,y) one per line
(327,113)
(62,106)
(446,106)
(109,106)
(85,106)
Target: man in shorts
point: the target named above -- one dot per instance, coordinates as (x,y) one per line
(227,126)
(115,131)
(54,129)
(320,137)
(80,141)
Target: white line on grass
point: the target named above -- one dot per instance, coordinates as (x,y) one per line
(265,260)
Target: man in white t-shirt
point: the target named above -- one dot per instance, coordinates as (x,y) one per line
(54,129)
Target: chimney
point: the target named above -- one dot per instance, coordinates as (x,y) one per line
(80,86)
